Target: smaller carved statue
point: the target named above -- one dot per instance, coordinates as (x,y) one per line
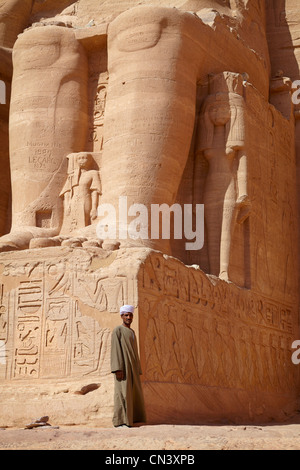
(80,193)
(222,141)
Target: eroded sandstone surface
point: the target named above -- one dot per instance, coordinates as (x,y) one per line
(132,106)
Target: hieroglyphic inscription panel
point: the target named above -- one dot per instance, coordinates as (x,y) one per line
(50,320)
(28,301)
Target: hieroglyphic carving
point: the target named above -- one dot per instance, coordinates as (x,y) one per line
(200,349)
(60,343)
(163,276)
(51,336)
(28,329)
(96,128)
(74,345)
(4,330)
(49,322)
(271,202)
(211,332)
(89,346)
(104,294)
(57,338)
(3,316)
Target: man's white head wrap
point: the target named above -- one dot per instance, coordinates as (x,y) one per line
(126,308)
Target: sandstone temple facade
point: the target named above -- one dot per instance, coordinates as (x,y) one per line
(130,105)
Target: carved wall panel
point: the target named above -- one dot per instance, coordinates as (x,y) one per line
(133,87)
(199,331)
(56,314)
(261,238)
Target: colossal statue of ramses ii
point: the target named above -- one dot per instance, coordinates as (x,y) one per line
(157,55)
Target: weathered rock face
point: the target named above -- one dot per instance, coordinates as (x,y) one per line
(137,108)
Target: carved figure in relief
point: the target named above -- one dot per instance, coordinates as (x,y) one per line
(222,140)
(220,353)
(188,355)
(80,193)
(152,346)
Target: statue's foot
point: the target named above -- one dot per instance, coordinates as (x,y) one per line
(15,241)
(22,238)
(45,242)
(224,276)
(243,205)
(7,246)
(64,241)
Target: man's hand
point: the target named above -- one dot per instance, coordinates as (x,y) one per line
(119,375)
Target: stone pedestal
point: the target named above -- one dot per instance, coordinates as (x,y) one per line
(213,351)
(119,107)
(210,351)
(58,307)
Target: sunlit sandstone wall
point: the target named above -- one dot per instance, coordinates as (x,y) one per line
(210,349)
(57,309)
(90,13)
(259,248)
(213,351)
(283,19)
(14,16)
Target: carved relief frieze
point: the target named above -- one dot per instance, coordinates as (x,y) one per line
(211,332)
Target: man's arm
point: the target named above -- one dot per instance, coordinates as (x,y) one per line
(117,359)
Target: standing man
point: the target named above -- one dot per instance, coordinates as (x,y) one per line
(129,405)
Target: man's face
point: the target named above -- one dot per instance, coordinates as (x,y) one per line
(127,318)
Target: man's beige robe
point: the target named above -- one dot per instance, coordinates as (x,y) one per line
(129,405)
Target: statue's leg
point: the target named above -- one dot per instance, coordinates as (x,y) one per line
(228,221)
(48,120)
(150,109)
(219,203)
(213,218)
(213,204)
(155,58)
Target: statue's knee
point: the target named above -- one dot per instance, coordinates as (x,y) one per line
(42,46)
(142,28)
